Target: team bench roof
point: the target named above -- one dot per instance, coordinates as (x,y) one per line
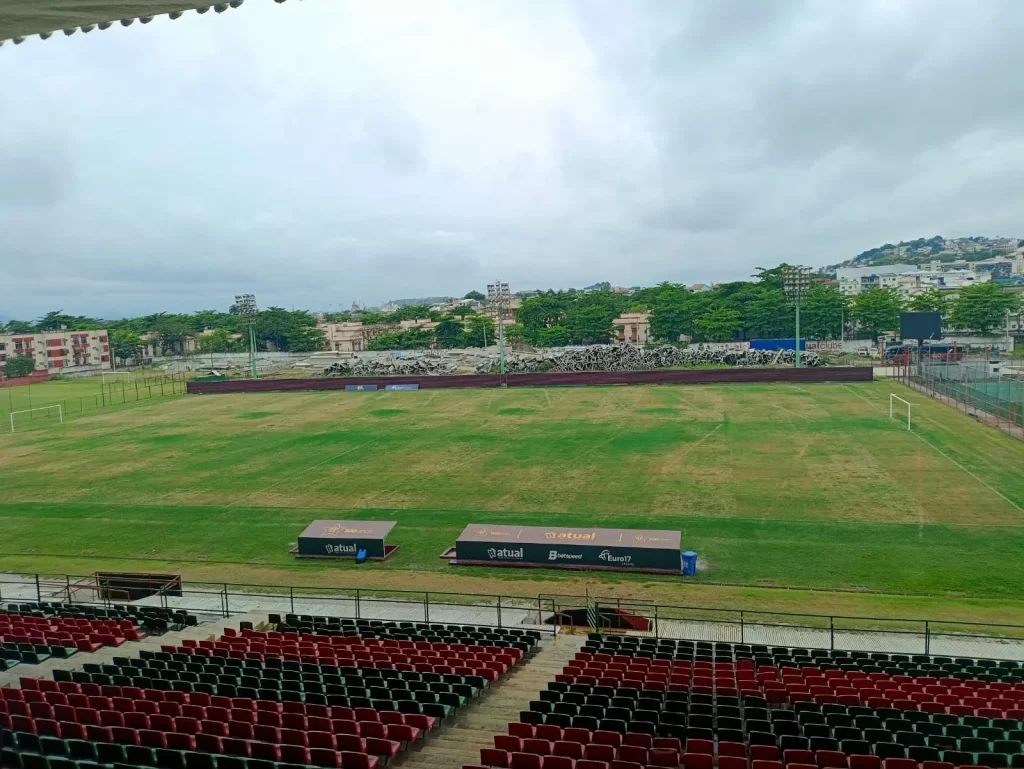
(348,530)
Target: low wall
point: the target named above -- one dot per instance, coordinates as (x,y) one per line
(550,379)
(37,378)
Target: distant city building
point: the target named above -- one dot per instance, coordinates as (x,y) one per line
(633,327)
(350,336)
(59,351)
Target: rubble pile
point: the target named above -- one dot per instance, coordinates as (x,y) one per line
(598,357)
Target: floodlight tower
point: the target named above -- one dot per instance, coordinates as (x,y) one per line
(498,294)
(796,280)
(245,307)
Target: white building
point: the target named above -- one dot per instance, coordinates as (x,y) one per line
(937,276)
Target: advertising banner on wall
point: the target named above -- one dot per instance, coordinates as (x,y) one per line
(556,547)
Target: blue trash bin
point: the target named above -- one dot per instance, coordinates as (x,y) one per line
(361,555)
(689,559)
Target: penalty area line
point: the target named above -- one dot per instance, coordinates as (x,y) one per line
(942,453)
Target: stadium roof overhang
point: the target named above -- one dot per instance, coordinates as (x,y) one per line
(21,18)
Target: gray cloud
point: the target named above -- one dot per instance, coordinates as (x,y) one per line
(325,152)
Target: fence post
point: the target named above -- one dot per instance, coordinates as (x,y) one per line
(227,604)
(291,598)
(357,603)
(656,621)
(741,627)
(832,633)
(499,611)
(67,578)
(927,638)
(39,592)
(426,608)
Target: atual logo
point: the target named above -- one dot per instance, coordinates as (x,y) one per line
(607,556)
(554,555)
(341,549)
(505,553)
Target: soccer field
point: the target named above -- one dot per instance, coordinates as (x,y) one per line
(774,485)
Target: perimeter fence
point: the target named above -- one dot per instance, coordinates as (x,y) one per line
(82,398)
(990,389)
(546,612)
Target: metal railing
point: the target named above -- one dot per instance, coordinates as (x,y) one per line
(225,599)
(815,631)
(547,612)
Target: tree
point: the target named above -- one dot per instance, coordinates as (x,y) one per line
(556,336)
(170,332)
(930,301)
(769,315)
(413,339)
(125,344)
(410,312)
(18,365)
(982,307)
(772,277)
(54,319)
(448,333)
(877,311)
(475,295)
(541,312)
(590,325)
(218,340)
(671,322)
(305,339)
(463,310)
(272,327)
(822,312)
(479,332)
(718,324)
(19,327)
(513,333)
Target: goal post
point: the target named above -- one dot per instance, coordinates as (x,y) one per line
(893,398)
(60,412)
(105,374)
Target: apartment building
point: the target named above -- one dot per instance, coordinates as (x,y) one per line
(633,327)
(58,351)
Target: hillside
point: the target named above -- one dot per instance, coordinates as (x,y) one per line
(937,248)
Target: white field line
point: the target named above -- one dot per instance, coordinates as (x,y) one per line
(942,453)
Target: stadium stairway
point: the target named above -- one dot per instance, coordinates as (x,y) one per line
(203,631)
(474,728)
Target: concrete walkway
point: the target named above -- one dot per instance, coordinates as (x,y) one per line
(458,743)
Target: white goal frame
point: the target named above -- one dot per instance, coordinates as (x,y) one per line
(60,412)
(894,397)
(105,374)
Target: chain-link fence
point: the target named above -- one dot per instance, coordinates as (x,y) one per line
(990,389)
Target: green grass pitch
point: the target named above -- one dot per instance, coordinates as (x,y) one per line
(774,485)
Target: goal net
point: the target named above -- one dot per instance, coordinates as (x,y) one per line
(47,412)
(898,407)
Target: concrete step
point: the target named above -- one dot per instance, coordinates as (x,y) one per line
(459,741)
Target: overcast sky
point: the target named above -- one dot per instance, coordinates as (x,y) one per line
(331,151)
